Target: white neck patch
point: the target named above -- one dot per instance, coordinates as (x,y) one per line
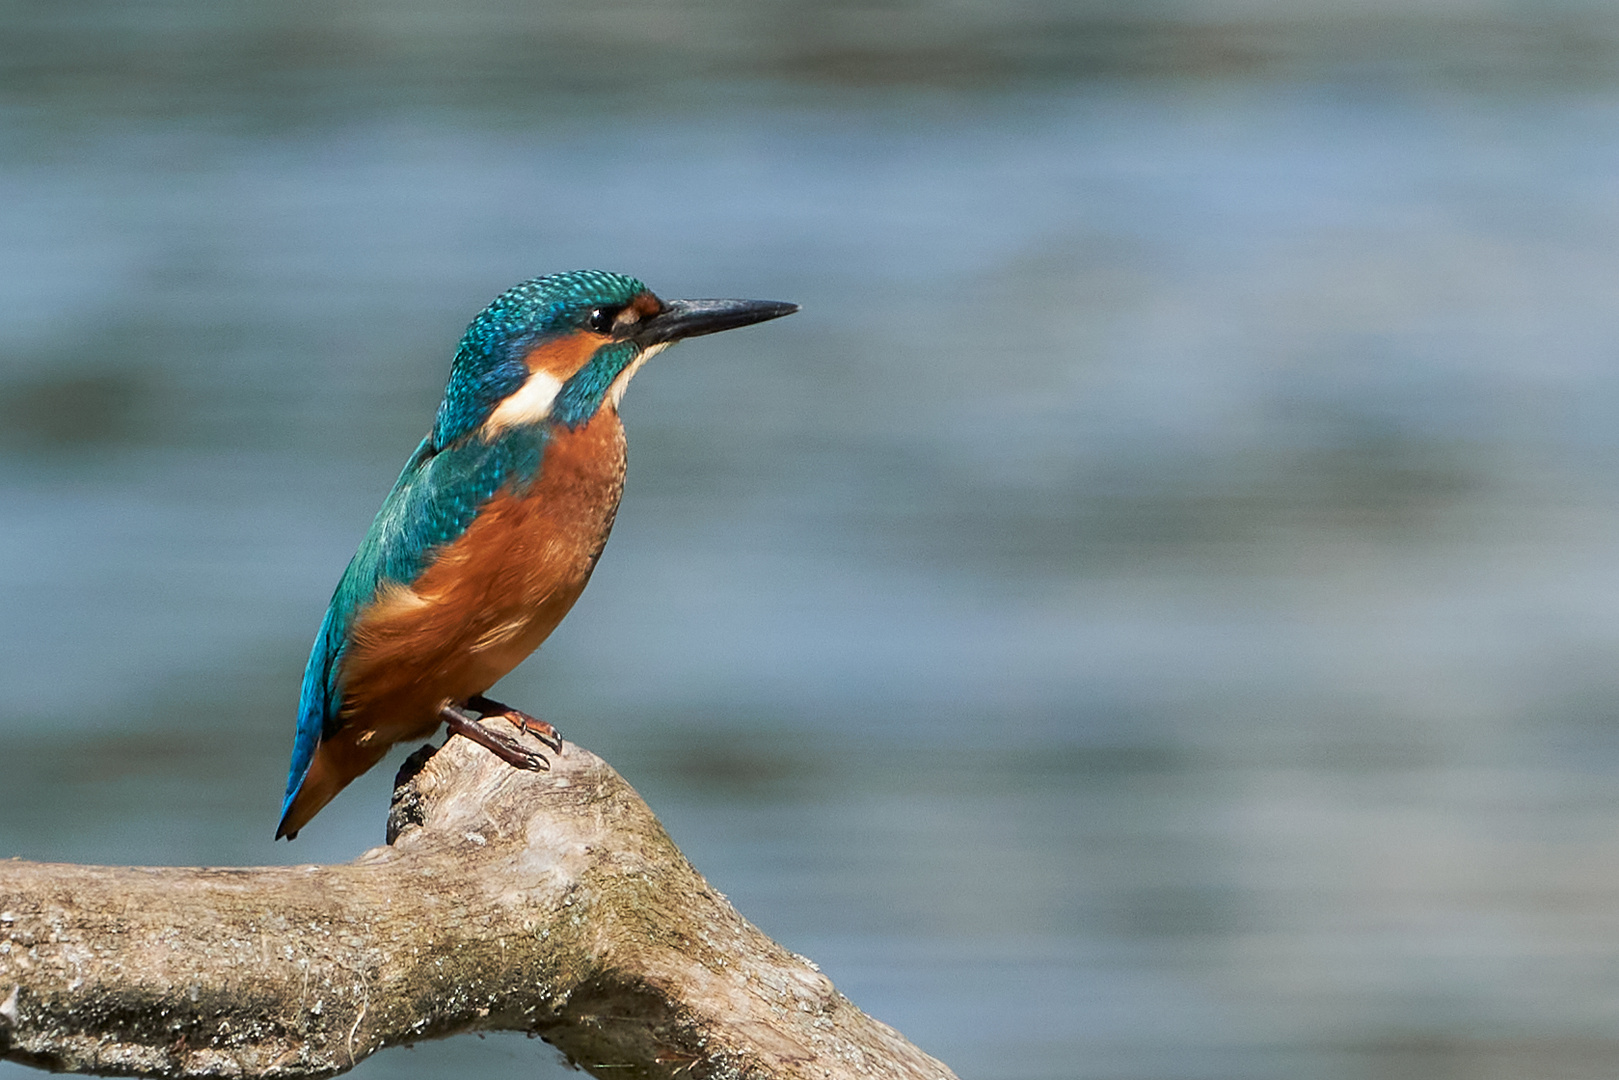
(529,405)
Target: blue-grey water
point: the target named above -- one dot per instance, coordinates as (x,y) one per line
(1153,614)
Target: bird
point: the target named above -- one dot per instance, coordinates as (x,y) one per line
(491,531)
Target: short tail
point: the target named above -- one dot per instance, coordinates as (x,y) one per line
(338,760)
(318,787)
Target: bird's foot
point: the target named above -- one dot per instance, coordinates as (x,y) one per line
(506,749)
(528,725)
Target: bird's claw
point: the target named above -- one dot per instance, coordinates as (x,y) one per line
(528,725)
(506,749)
(537,728)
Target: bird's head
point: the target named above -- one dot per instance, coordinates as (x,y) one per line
(558,348)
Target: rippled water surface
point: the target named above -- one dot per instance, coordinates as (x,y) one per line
(1153,614)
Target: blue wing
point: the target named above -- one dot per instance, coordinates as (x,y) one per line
(435,499)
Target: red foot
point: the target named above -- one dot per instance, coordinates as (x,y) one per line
(529,725)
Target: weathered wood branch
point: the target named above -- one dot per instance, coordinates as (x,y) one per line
(551,903)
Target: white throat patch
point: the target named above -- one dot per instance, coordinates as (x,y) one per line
(615,392)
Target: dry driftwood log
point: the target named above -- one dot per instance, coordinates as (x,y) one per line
(551,903)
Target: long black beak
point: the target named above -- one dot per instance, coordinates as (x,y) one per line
(693,318)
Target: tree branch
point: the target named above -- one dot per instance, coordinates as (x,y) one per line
(551,903)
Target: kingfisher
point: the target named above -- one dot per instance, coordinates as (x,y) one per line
(491,531)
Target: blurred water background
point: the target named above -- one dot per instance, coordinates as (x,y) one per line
(1153,614)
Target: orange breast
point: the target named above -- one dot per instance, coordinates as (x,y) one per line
(492,596)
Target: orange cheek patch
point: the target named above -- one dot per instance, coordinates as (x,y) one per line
(560,357)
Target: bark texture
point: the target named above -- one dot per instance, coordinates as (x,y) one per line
(551,903)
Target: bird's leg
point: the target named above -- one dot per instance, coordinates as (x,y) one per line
(530,725)
(508,750)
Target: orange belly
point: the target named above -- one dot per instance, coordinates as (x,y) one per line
(481,607)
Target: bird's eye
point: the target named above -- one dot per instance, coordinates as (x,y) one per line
(601,319)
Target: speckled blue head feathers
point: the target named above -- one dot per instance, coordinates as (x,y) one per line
(489,362)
